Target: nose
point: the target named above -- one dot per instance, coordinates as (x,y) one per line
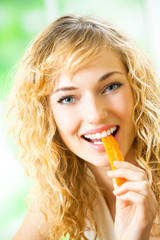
(95,110)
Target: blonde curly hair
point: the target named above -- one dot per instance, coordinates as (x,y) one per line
(65,190)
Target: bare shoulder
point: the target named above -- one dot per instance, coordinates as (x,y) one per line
(31,226)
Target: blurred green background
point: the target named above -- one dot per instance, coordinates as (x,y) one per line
(20,22)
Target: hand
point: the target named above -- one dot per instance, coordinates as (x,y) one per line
(136,205)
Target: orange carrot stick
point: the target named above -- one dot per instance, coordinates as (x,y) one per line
(114,154)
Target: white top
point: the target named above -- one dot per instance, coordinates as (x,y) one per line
(104,221)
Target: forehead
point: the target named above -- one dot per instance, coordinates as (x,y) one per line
(107,61)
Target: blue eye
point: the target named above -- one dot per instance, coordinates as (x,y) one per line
(112,87)
(66,100)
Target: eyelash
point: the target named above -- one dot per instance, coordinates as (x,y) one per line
(118,84)
(63,98)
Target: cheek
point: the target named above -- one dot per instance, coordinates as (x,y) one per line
(125,108)
(66,121)
(129,103)
(126,103)
(122,104)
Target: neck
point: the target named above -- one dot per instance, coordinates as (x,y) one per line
(106,184)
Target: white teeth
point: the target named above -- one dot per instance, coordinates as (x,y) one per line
(104,134)
(98,142)
(113,129)
(100,135)
(108,132)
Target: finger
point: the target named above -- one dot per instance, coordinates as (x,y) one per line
(142,187)
(127,165)
(133,197)
(129,174)
(139,206)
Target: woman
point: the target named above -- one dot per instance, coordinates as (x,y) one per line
(79,78)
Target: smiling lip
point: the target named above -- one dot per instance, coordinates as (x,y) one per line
(99,147)
(99,130)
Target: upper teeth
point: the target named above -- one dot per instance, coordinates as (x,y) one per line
(101,135)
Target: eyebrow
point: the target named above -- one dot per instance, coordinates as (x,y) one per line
(101,79)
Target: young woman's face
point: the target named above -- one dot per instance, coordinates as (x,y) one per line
(96,99)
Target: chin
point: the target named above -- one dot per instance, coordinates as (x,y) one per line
(98,164)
